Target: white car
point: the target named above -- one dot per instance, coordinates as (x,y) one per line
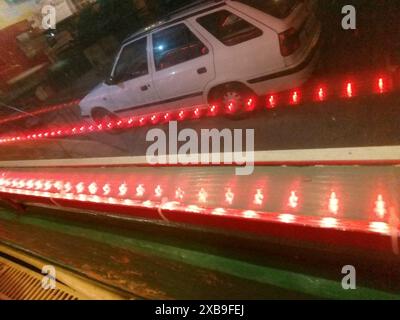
(216,51)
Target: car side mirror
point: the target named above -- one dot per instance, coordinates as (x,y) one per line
(110,81)
(113,80)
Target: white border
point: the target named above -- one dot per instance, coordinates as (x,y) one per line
(359,154)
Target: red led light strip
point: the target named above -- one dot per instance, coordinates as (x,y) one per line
(126,193)
(320,94)
(39,111)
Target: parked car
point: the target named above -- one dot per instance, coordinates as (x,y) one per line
(216,51)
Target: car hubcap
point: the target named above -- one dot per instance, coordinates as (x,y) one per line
(232,100)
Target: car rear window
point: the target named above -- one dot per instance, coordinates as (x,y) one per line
(229,28)
(277,8)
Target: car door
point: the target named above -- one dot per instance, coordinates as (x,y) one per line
(132,84)
(183,64)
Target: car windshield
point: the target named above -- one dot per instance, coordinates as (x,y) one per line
(132,61)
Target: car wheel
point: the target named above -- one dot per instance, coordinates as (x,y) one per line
(100,116)
(234,99)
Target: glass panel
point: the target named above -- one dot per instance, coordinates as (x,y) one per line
(176,45)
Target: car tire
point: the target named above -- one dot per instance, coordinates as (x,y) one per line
(232,97)
(101,115)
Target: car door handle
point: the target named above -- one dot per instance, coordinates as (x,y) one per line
(202,70)
(145,87)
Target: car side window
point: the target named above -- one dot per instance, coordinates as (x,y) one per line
(229,28)
(176,45)
(132,62)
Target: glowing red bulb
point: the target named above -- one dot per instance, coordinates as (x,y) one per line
(123,189)
(293,200)
(295,98)
(181,115)
(58,185)
(271,101)
(68,187)
(154,119)
(333,203)
(158,192)
(38,185)
(380,207)
(110,125)
(381,85)
(179,194)
(140,190)
(229,196)
(250,105)
(213,109)
(321,94)
(80,187)
(202,196)
(93,188)
(197,112)
(106,189)
(258,197)
(47,185)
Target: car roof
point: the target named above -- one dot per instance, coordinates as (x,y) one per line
(177,15)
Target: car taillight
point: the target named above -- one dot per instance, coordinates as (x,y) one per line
(289,41)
